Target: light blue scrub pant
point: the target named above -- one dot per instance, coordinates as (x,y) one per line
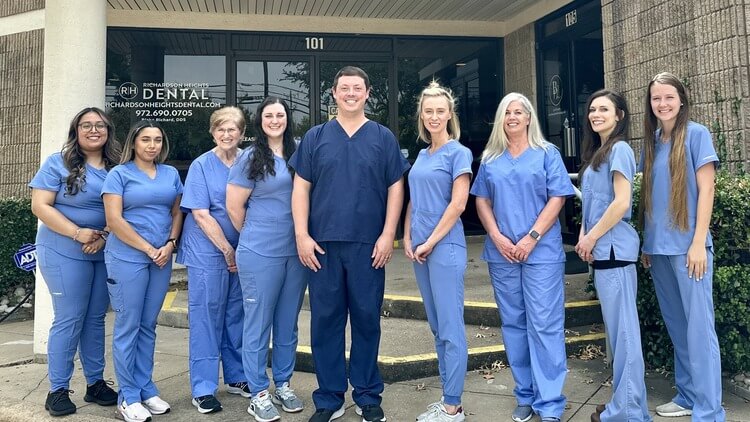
(215,317)
(617,290)
(272,292)
(137,292)
(532,312)
(79,302)
(687,307)
(441,283)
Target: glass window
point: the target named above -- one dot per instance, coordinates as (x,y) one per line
(175,78)
(288,80)
(377,105)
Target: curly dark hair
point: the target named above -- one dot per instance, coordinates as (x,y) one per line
(262,162)
(75,160)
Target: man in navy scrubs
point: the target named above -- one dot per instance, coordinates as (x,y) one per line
(347,199)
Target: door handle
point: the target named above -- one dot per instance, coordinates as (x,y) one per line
(569,138)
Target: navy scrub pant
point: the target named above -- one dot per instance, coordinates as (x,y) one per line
(79,302)
(346,285)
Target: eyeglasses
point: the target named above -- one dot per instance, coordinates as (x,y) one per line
(230,131)
(86,126)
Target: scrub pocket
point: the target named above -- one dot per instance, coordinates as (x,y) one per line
(115,294)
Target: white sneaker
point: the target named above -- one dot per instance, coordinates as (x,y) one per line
(439,414)
(672,410)
(156,406)
(135,412)
(430,409)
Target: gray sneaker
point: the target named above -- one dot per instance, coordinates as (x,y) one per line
(262,408)
(522,413)
(285,397)
(439,414)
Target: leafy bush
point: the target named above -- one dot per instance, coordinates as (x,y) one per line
(730,228)
(18,226)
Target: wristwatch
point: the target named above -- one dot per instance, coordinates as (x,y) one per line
(535,235)
(173,241)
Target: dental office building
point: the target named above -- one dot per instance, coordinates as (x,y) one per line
(178,60)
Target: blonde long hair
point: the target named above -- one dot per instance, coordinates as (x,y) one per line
(498,141)
(677,159)
(434,89)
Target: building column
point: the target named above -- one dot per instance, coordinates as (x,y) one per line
(75,51)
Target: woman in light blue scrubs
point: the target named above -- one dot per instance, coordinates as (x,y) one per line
(65,197)
(273,280)
(679,165)
(142,204)
(434,240)
(207,249)
(520,187)
(610,244)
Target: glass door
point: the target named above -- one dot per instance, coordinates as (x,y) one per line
(287,79)
(571,67)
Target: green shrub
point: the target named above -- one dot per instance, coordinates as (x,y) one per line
(730,228)
(18,226)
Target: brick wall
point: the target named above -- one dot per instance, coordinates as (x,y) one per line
(520,62)
(21,62)
(14,7)
(703,42)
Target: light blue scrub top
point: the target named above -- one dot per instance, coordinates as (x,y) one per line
(599,192)
(205,189)
(85,208)
(431,187)
(660,236)
(519,189)
(146,206)
(268,229)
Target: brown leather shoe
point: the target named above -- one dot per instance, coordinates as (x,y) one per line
(600,408)
(595,417)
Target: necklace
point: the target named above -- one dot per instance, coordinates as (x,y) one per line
(277,150)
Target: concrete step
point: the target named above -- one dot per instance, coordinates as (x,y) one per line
(401,360)
(404,317)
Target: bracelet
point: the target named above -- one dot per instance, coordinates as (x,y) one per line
(104,235)
(75,236)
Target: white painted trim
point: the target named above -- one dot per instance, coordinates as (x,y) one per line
(318,24)
(22,22)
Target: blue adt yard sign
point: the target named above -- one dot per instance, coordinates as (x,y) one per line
(26,257)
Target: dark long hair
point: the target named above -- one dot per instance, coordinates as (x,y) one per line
(262,161)
(595,149)
(75,160)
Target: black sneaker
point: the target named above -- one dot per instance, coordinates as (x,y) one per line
(371,413)
(101,393)
(207,404)
(58,403)
(327,415)
(239,388)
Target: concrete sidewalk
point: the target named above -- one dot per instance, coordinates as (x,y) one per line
(488,394)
